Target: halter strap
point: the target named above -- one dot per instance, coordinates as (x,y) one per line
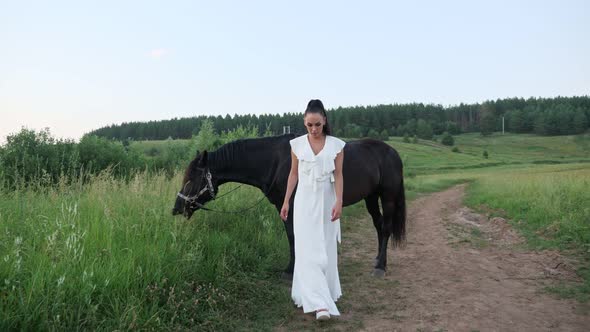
(192,200)
(208,187)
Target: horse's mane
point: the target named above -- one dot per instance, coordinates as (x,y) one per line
(239,146)
(227,151)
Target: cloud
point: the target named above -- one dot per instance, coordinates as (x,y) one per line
(158,53)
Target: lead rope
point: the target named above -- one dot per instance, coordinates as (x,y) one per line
(201,206)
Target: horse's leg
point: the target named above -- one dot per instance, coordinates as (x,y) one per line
(388,205)
(372,203)
(288,273)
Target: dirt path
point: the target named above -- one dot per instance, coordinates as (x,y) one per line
(458,272)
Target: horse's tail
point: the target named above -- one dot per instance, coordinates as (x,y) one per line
(398,234)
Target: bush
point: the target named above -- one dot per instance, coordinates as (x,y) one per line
(206,139)
(238,133)
(171,156)
(406,138)
(415,139)
(373,134)
(447,139)
(452,128)
(485,154)
(455,149)
(98,154)
(31,157)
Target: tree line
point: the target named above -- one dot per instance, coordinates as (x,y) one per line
(542,116)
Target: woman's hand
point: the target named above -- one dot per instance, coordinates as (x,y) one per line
(285,211)
(337,211)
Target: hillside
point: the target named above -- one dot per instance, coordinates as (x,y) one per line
(427,157)
(509,149)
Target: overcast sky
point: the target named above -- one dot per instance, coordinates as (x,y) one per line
(75,66)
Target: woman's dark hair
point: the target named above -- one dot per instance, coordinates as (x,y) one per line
(316,106)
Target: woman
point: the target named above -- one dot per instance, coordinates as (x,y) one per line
(316,169)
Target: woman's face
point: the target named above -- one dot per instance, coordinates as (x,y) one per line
(314,122)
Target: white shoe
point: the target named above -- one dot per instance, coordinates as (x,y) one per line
(322,315)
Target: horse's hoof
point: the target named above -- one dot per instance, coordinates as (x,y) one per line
(378,273)
(287,276)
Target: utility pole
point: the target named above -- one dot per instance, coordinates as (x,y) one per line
(502,125)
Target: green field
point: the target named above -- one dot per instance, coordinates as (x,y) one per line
(427,157)
(109,255)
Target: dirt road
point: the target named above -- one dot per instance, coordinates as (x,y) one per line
(459,271)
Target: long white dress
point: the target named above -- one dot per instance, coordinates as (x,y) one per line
(316,284)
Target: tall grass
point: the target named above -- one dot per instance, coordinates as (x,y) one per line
(551,207)
(109,255)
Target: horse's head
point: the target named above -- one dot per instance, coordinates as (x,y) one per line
(198,187)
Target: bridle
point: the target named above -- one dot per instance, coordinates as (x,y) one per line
(192,200)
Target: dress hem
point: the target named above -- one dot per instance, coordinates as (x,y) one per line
(299,305)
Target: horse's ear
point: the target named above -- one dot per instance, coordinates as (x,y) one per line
(197,154)
(203,159)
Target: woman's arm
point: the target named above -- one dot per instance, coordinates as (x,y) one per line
(338,185)
(291,182)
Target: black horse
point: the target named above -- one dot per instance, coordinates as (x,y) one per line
(372,170)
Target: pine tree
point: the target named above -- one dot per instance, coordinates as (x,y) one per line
(411,127)
(392,131)
(423,130)
(515,121)
(487,123)
(401,130)
(539,125)
(580,122)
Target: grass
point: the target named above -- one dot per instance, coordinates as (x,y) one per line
(429,157)
(550,206)
(527,148)
(111,256)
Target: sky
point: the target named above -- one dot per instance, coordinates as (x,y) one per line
(75,66)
